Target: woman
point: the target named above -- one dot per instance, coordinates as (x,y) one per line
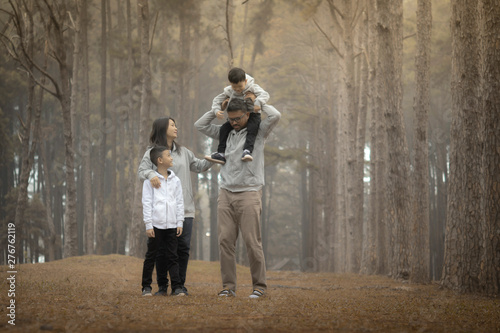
(164,133)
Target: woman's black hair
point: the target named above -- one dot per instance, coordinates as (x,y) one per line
(158,136)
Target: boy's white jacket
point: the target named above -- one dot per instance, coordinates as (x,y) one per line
(261,96)
(163,208)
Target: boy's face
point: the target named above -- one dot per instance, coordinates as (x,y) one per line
(239,87)
(166,159)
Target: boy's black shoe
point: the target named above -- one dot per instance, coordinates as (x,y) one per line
(146,291)
(216,158)
(162,291)
(178,292)
(184,289)
(247,156)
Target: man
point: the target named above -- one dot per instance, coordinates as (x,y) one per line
(240,196)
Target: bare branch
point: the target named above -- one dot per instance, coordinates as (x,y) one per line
(329,40)
(356,17)
(332,6)
(334,11)
(409,36)
(153,33)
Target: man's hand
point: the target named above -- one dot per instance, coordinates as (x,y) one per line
(179,231)
(155,182)
(220,114)
(150,233)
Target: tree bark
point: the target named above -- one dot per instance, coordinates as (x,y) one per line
(463,230)
(85,144)
(490,259)
(137,227)
(100,219)
(390,24)
(420,229)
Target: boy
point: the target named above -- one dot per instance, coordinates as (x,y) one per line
(241,85)
(163,211)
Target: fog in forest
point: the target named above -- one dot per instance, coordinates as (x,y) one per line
(389,124)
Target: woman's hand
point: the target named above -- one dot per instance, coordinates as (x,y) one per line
(155,182)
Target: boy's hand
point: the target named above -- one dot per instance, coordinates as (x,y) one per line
(224,104)
(150,233)
(251,95)
(256,108)
(220,114)
(179,231)
(155,182)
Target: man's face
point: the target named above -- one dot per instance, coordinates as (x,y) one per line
(238,119)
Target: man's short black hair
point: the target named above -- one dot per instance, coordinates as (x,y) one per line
(156,152)
(237,105)
(236,75)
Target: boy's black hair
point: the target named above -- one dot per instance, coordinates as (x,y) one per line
(236,75)
(156,152)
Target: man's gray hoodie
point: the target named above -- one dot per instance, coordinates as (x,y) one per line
(236,175)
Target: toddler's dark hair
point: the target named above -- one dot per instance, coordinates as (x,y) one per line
(236,75)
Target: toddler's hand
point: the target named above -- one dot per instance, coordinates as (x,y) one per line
(224,104)
(150,233)
(220,114)
(251,95)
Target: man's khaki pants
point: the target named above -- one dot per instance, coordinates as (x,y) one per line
(240,211)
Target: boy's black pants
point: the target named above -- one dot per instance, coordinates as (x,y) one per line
(252,130)
(167,259)
(149,264)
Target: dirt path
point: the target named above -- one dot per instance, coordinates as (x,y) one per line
(102,294)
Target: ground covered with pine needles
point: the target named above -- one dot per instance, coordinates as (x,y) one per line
(103,294)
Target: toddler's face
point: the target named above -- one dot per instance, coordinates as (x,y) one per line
(239,87)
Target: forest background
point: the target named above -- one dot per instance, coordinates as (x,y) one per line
(386,153)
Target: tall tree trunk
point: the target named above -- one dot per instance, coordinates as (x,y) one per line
(420,228)
(29,131)
(51,241)
(371,54)
(131,121)
(229,32)
(137,227)
(463,232)
(85,144)
(100,220)
(112,243)
(390,25)
(490,26)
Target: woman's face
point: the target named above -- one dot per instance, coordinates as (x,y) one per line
(171,130)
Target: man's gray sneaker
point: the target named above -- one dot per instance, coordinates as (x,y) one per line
(227,293)
(256,294)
